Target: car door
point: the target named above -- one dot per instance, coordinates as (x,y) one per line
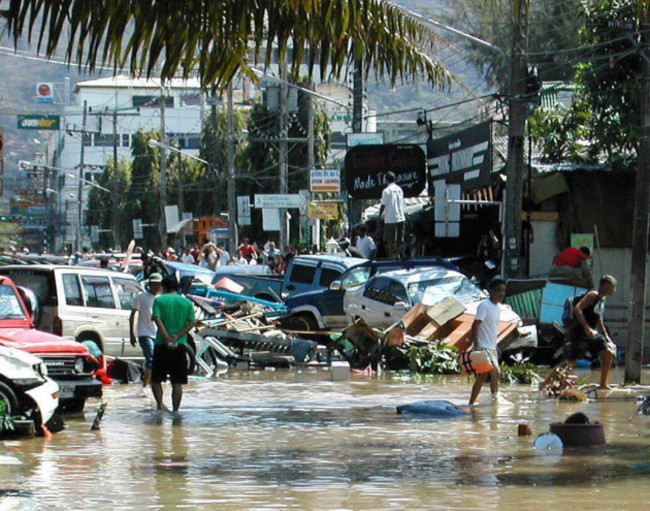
(102,308)
(301,278)
(330,302)
(126,290)
(371,302)
(377,303)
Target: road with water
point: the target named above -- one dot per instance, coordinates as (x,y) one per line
(295,440)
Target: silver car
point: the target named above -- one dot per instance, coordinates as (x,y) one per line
(385,298)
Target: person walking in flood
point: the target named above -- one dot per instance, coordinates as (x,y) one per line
(392,202)
(144,330)
(484,335)
(587,336)
(174,317)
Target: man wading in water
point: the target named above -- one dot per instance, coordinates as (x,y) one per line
(174,317)
(485,332)
(588,335)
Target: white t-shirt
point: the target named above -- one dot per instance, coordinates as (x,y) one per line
(145,327)
(392,198)
(488,314)
(187,259)
(365,245)
(224,258)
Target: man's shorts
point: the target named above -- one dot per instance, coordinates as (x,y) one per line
(493,356)
(146,343)
(394,233)
(170,362)
(580,345)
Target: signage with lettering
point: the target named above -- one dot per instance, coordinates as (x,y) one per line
(463,158)
(366,167)
(38,122)
(325,180)
(355,139)
(323,210)
(278,201)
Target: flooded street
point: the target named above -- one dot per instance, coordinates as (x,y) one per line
(293,439)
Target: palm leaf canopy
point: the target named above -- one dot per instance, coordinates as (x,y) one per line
(219,38)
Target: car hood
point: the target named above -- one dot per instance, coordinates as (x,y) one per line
(35,341)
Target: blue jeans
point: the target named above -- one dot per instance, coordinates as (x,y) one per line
(146,343)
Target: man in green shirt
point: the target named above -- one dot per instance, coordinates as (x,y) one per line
(174,317)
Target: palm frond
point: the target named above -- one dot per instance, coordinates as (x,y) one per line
(219,38)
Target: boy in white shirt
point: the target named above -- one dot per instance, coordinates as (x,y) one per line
(485,331)
(145,330)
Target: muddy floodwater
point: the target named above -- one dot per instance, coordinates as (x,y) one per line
(295,440)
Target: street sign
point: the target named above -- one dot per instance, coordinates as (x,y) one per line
(39,122)
(137,229)
(271,219)
(278,201)
(244,210)
(447,213)
(325,180)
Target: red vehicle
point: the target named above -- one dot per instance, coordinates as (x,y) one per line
(68,362)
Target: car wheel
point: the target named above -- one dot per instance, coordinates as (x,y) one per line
(301,322)
(8,400)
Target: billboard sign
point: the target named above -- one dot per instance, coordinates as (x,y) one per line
(464,158)
(366,167)
(39,122)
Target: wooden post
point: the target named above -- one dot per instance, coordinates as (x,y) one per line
(640,224)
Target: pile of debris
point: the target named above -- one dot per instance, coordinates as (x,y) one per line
(248,335)
(449,320)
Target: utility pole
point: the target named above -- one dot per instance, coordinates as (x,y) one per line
(354,207)
(81,176)
(232,189)
(512,260)
(640,226)
(310,156)
(283,152)
(163,169)
(115,214)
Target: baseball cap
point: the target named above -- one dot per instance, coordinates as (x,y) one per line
(155,277)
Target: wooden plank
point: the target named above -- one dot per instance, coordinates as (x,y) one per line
(445,310)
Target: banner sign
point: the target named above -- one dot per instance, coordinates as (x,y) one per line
(366,167)
(323,210)
(464,158)
(38,122)
(325,180)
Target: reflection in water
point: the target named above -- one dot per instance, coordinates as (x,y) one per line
(295,440)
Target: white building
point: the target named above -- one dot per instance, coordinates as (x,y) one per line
(133,104)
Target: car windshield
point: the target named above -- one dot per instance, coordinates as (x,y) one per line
(10,307)
(430,292)
(355,277)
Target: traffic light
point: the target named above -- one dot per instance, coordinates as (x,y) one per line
(10,218)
